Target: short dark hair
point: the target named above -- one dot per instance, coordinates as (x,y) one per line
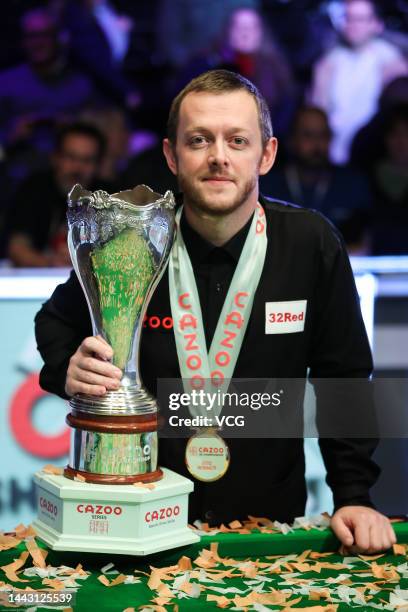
(396,115)
(81,129)
(304,109)
(219,82)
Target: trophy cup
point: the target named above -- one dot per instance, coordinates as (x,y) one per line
(119,246)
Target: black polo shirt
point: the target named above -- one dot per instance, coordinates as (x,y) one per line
(305,260)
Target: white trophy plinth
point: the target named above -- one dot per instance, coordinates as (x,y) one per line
(114,519)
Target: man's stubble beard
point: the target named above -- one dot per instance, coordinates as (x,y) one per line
(197,200)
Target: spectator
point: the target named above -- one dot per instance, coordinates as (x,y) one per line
(247,47)
(113,124)
(99,39)
(38,234)
(368,144)
(390,180)
(348,80)
(150,168)
(311,180)
(37,94)
(185,28)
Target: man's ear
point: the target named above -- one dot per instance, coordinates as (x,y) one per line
(169,155)
(268,156)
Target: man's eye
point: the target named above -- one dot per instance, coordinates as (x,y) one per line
(197,141)
(239,141)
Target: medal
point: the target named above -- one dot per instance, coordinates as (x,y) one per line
(207,456)
(213,370)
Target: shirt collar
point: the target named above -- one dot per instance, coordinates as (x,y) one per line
(200,249)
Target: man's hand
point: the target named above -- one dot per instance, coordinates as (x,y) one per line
(89,370)
(363,529)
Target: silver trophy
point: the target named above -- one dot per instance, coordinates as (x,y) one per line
(119,246)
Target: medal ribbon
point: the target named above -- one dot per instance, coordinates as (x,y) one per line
(197,367)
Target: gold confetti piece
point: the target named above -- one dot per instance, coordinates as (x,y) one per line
(250,572)
(129,610)
(8,541)
(144,485)
(53,469)
(399,549)
(36,553)
(184,564)
(371,557)
(220,600)
(385,571)
(329,608)
(235,525)
(164,591)
(302,557)
(317,555)
(155,579)
(337,566)
(79,478)
(11,569)
(161,601)
(321,594)
(22,531)
(264,522)
(54,583)
(118,580)
(188,587)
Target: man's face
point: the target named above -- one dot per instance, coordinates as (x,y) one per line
(311,140)
(396,142)
(360,23)
(245,31)
(76,161)
(40,39)
(219,154)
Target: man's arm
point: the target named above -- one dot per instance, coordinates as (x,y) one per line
(341,350)
(74,361)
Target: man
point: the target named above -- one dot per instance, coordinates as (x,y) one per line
(37,94)
(348,80)
(219,142)
(311,180)
(38,227)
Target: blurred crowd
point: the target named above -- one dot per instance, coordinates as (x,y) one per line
(85,87)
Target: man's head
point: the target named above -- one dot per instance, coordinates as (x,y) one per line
(78,153)
(396,136)
(245,30)
(40,37)
(310,138)
(219,142)
(362,22)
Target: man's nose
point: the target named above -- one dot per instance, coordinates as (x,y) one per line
(218,154)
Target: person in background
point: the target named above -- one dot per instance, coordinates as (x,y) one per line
(113,124)
(368,144)
(99,40)
(311,180)
(390,184)
(37,229)
(247,46)
(37,94)
(348,80)
(180,32)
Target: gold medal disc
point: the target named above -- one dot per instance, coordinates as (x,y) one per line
(207,456)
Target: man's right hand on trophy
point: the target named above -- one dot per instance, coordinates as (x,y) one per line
(90,370)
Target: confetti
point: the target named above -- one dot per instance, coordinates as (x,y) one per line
(52,469)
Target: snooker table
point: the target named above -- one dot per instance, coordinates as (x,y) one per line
(263,562)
